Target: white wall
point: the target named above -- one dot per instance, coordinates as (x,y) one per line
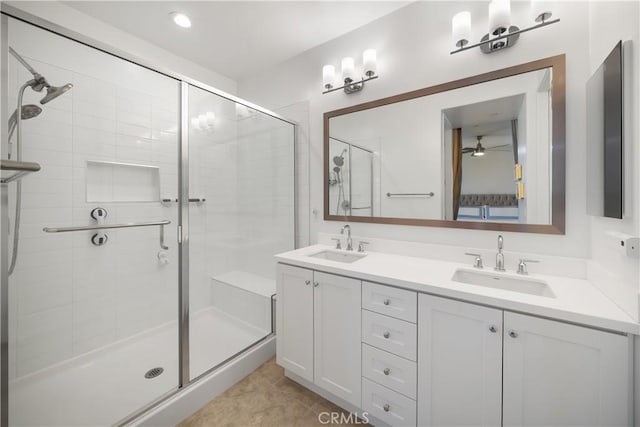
(74,20)
(413,49)
(610,22)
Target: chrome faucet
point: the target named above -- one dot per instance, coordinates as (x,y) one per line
(349,241)
(500,256)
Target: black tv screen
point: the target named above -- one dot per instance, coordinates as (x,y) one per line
(613,149)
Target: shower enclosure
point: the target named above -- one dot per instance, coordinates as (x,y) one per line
(351,179)
(145,241)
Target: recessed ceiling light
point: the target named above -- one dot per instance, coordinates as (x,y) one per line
(181,19)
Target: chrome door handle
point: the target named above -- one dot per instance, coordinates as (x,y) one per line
(386,301)
(513,334)
(386,407)
(386,371)
(386,334)
(307,282)
(315,284)
(493,329)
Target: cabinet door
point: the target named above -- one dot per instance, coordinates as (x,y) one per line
(459,363)
(294,320)
(559,374)
(337,305)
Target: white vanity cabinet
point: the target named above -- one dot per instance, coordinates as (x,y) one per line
(478,365)
(318,329)
(561,374)
(459,363)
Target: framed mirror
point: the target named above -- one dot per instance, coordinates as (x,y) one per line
(486,152)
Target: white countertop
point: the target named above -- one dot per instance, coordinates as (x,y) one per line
(576,300)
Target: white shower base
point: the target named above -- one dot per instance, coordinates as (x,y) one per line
(104,386)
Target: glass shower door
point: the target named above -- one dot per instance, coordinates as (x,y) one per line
(93,333)
(241,213)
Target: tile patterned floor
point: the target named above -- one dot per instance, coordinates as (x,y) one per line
(265,398)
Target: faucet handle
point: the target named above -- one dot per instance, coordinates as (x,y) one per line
(522,265)
(477,263)
(338,244)
(361,245)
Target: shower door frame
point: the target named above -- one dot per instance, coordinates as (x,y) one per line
(185,82)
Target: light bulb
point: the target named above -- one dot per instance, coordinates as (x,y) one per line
(181,19)
(461,28)
(541,10)
(499,16)
(211,118)
(328,76)
(369,62)
(348,69)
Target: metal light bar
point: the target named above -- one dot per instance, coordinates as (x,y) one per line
(353,83)
(104,227)
(21,169)
(430,194)
(506,35)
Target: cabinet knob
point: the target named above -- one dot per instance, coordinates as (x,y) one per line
(386,334)
(493,329)
(315,284)
(513,334)
(307,282)
(386,301)
(386,407)
(387,371)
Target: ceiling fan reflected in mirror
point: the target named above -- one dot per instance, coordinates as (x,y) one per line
(479,150)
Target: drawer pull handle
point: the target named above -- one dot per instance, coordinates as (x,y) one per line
(493,329)
(387,371)
(386,335)
(307,282)
(386,301)
(513,334)
(316,284)
(386,407)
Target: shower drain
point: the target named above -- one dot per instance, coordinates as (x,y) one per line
(152,373)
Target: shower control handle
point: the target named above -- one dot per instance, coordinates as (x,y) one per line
(100,238)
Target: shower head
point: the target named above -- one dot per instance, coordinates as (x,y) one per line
(29,111)
(55,91)
(39,82)
(339,160)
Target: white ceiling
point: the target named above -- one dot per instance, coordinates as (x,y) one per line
(238,38)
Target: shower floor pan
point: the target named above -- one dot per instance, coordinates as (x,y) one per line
(105,386)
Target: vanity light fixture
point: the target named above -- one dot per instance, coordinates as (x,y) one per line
(180,19)
(348,73)
(501,33)
(204,122)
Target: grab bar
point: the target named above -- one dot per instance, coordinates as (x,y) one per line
(21,169)
(191,200)
(104,227)
(431,194)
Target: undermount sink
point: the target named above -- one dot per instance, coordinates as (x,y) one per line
(500,281)
(339,256)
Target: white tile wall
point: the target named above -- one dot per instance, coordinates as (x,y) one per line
(69,297)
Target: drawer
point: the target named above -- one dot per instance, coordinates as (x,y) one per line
(387,405)
(386,333)
(390,370)
(394,302)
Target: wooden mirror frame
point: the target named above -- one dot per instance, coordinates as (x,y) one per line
(558,156)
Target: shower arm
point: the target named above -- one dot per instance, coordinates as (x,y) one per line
(25,64)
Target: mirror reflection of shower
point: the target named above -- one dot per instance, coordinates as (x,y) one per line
(350,179)
(25,112)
